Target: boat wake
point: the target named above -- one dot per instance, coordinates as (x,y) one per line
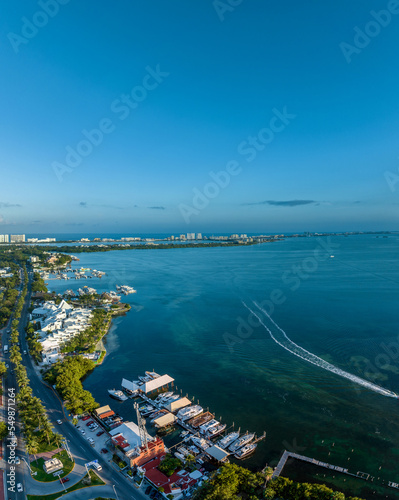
(281,338)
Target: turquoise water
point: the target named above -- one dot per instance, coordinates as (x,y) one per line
(184,321)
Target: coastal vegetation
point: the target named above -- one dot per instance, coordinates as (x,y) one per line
(146,246)
(8,291)
(37,429)
(66,375)
(87,340)
(232,482)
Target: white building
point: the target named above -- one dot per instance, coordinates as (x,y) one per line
(17,238)
(191,236)
(3,238)
(5,272)
(58,324)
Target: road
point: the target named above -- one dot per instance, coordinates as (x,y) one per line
(79,447)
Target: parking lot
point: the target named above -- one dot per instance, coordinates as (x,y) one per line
(90,432)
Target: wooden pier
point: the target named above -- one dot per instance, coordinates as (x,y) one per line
(287,454)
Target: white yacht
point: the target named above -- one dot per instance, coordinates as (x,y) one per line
(117,394)
(243,440)
(206,427)
(245,450)
(228,440)
(200,442)
(189,412)
(216,430)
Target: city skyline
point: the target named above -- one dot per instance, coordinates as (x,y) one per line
(198,118)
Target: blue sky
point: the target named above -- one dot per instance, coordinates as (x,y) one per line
(203,81)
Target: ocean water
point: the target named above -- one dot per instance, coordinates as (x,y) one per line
(336,298)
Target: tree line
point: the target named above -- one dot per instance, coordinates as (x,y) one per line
(232,482)
(36,427)
(66,376)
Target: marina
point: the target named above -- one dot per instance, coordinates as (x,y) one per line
(267,385)
(165,409)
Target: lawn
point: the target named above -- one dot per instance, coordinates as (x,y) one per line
(37,466)
(95,481)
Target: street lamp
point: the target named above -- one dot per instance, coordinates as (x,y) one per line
(62,482)
(27,465)
(116,494)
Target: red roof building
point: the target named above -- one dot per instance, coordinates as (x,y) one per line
(175,484)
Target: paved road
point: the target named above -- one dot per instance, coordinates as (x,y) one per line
(80,448)
(9,385)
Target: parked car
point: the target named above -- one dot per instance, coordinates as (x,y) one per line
(19,488)
(89,423)
(64,479)
(104,450)
(82,431)
(148,489)
(100,433)
(86,417)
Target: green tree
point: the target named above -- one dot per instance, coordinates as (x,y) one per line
(3,430)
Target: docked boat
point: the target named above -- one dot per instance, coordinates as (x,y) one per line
(228,440)
(200,442)
(117,394)
(245,451)
(164,395)
(193,450)
(147,410)
(243,440)
(216,431)
(184,434)
(183,451)
(125,289)
(157,414)
(189,412)
(170,399)
(206,427)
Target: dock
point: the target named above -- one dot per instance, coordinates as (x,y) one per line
(191,425)
(200,419)
(287,454)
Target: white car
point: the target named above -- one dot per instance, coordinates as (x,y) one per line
(82,431)
(59,422)
(17,461)
(19,488)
